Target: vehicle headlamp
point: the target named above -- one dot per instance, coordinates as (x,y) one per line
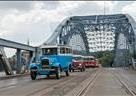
(80,64)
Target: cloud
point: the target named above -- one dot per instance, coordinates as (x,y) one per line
(109,5)
(23,5)
(37,20)
(38,13)
(45,15)
(130,9)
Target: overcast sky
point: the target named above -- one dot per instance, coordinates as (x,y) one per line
(36,20)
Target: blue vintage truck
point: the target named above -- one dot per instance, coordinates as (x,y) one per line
(53,60)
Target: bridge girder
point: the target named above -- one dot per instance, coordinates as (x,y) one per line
(118,24)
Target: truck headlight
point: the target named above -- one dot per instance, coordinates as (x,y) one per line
(80,64)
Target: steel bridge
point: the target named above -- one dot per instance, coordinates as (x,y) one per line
(18,47)
(74,31)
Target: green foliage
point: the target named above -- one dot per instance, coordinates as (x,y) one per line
(106,58)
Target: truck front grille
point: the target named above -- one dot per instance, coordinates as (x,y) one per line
(45,63)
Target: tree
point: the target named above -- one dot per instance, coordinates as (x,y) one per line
(106,58)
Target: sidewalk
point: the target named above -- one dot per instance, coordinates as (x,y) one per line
(4,77)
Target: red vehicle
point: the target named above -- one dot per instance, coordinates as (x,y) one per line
(90,61)
(78,63)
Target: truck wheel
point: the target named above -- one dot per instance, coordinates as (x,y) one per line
(81,69)
(33,75)
(57,73)
(73,70)
(67,73)
(70,68)
(48,76)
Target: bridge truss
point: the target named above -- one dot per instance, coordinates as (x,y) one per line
(74,31)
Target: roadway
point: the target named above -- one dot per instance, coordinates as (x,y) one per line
(92,82)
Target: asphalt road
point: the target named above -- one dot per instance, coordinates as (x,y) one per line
(92,82)
(106,84)
(24,86)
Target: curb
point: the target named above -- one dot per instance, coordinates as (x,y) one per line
(13,76)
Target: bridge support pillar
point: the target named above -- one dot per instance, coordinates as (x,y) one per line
(4,61)
(31,54)
(18,66)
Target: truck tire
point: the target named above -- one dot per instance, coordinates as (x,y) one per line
(73,70)
(67,73)
(70,68)
(57,73)
(81,69)
(48,76)
(33,75)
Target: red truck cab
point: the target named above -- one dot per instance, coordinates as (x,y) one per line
(78,63)
(90,61)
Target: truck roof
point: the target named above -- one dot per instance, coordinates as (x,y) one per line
(55,46)
(88,56)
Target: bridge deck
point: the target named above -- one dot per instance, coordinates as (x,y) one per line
(12,44)
(106,84)
(92,82)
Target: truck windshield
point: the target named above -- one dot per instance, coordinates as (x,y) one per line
(49,51)
(64,50)
(34,59)
(77,58)
(88,58)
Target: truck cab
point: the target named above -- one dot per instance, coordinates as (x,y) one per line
(53,60)
(78,63)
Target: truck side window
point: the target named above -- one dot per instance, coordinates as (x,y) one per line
(54,51)
(62,50)
(48,51)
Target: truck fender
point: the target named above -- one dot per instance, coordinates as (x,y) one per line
(33,66)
